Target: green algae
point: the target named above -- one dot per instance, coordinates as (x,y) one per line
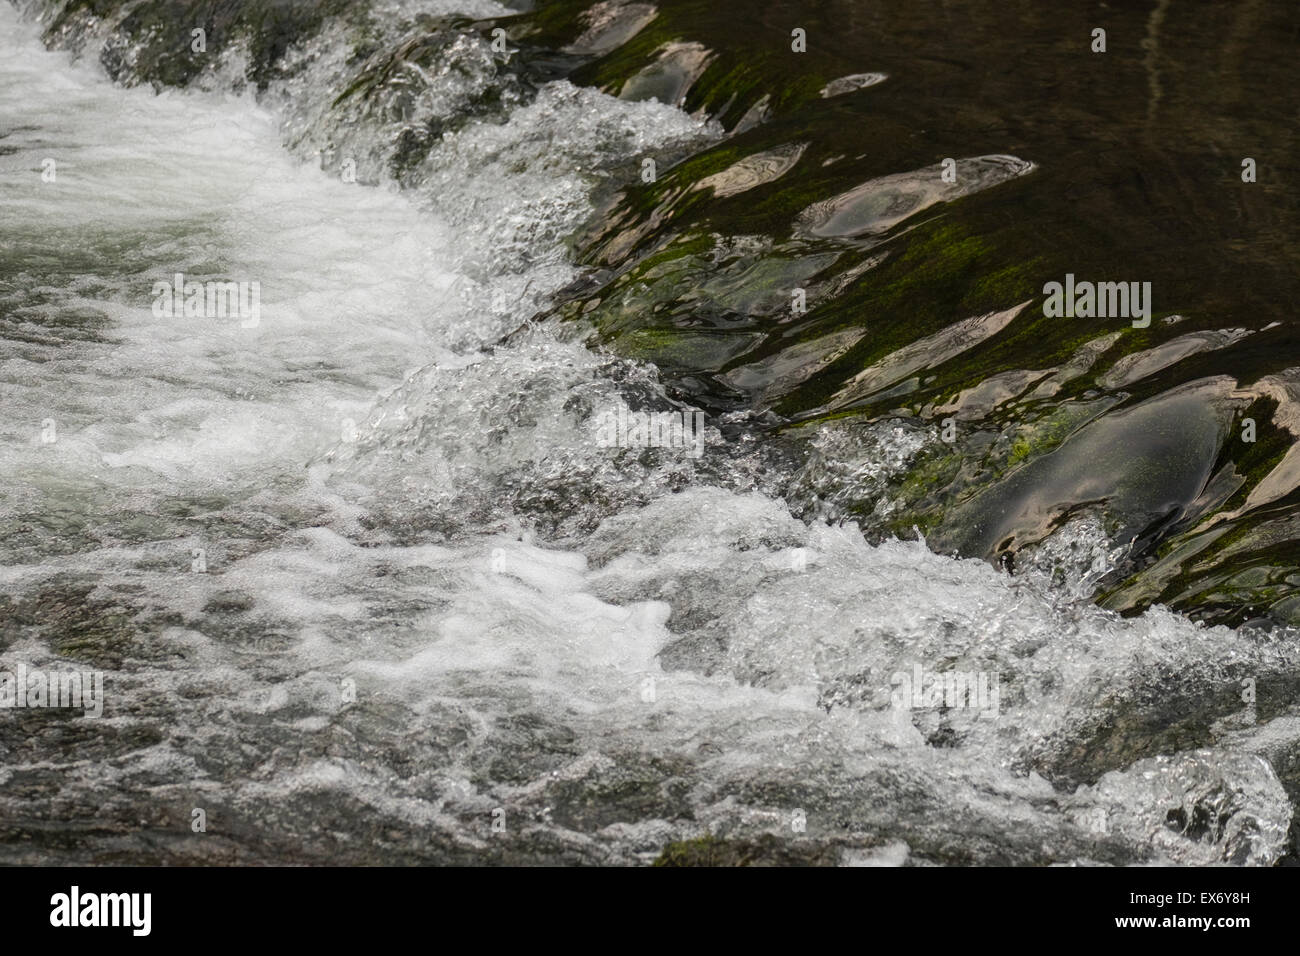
(765,850)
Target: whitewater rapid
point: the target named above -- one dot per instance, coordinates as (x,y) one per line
(364,587)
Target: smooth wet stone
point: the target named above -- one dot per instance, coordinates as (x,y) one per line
(880,204)
(670,77)
(1179,434)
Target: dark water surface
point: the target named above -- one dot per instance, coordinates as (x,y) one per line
(1137,177)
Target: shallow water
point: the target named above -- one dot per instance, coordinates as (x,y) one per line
(364,586)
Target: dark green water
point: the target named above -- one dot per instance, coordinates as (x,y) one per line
(1138,176)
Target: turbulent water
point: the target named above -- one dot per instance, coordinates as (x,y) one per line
(365,585)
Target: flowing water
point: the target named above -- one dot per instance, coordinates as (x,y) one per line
(363,583)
